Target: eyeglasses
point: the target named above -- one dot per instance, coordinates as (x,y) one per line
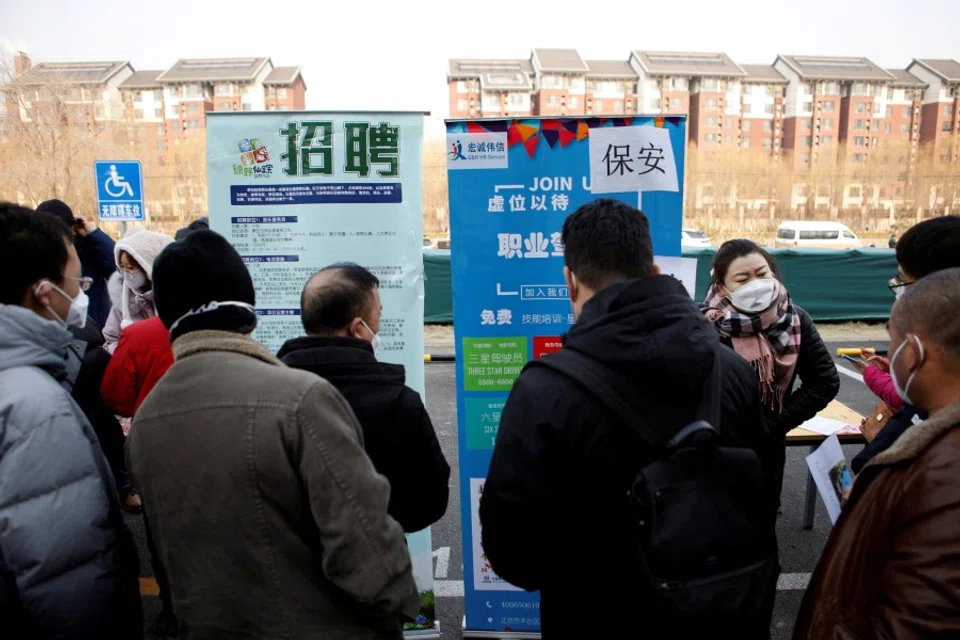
(897,285)
(85,282)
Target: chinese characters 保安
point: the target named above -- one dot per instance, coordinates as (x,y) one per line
(619,160)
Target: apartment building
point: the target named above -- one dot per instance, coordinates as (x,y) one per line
(940,120)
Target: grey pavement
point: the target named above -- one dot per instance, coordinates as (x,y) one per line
(799,548)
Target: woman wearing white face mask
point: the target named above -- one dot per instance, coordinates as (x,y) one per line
(755,316)
(131,287)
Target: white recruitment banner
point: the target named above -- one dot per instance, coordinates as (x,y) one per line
(294,192)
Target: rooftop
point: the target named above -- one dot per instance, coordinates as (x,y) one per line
(72,72)
(142,80)
(945,69)
(906,79)
(762,73)
(610,69)
(559,61)
(458,68)
(660,63)
(214,70)
(282,76)
(832,68)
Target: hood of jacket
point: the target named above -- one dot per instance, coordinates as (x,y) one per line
(342,361)
(27,340)
(652,333)
(143,246)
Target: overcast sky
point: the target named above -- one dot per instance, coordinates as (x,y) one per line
(374,54)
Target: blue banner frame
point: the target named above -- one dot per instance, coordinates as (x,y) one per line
(512,183)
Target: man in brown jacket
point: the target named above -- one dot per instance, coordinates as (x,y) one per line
(891,568)
(267,514)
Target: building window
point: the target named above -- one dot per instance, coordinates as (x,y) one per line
(873,142)
(138,114)
(554,100)
(905,112)
(462,87)
(679,84)
(904,129)
(770,91)
(767,143)
(768,109)
(767,126)
(551,82)
(946,125)
(573,102)
(805,141)
(159,129)
(655,104)
(948,110)
(807,125)
(807,107)
(745,143)
(728,122)
(676,103)
(99,112)
(462,105)
(161,145)
(745,125)
(887,127)
(889,112)
(228,106)
(805,158)
(828,125)
(829,106)
(282,107)
(709,138)
(826,140)
(728,138)
(247,106)
(858,141)
(711,103)
(860,89)
(831,88)
(859,124)
(598,106)
(618,106)
(192,107)
(711,121)
(710,84)
(223,90)
(281,93)
(861,107)
(192,91)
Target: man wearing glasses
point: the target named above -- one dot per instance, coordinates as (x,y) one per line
(68,567)
(930,246)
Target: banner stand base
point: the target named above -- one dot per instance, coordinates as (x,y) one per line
(501,635)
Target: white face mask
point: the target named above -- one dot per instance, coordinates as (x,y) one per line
(212,306)
(375,341)
(136,280)
(755,296)
(77,315)
(903,391)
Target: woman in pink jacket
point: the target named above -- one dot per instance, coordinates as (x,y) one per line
(876,375)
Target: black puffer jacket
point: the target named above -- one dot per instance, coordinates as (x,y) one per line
(553,513)
(819,381)
(397,432)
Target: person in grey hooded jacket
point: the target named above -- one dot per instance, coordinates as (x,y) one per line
(68,568)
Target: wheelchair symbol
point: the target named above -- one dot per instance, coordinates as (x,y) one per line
(116,181)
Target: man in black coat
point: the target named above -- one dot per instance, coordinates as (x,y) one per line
(95,249)
(554,515)
(341,315)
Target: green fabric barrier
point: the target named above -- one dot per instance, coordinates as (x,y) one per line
(833,286)
(438,288)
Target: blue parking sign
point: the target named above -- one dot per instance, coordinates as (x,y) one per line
(119,190)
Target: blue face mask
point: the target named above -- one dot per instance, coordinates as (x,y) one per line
(903,391)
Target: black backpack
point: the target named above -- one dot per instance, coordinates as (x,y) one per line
(704,532)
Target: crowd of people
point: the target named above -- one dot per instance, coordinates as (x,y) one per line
(276,489)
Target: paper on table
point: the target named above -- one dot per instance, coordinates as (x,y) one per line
(829,469)
(825,426)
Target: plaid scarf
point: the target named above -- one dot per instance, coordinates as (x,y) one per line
(768,340)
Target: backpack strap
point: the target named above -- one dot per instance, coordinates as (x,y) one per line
(598,380)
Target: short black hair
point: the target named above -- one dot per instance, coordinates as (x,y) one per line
(738,248)
(334,296)
(59,208)
(33,247)
(606,241)
(929,308)
(929,246)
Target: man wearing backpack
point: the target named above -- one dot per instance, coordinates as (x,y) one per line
(622,531)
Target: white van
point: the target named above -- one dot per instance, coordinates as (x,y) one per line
(811,233)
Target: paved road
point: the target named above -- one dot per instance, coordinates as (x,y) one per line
(799,548)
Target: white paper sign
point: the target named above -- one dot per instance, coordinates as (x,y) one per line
(829,469)
(683,269)
(631,158)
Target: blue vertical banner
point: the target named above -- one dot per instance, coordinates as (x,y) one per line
(512,183)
